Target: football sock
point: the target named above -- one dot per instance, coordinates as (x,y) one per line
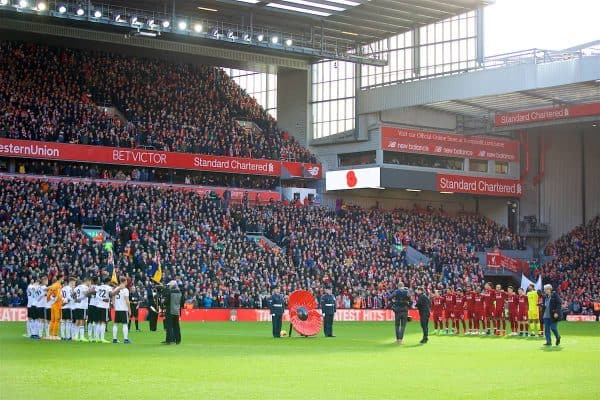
(125,332)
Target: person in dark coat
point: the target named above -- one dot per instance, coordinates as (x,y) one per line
(551,312)
(276,307)
(173,305)
(328,309)
(399,302)
(153,307)
(424,306)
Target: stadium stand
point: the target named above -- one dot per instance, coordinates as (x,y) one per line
(574,270)
(54,94)
(205,244)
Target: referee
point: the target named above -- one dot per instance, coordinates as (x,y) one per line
(134,301)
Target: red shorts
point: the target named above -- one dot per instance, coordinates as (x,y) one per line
(449,315)
(523,316)
(438,317)
(513,316)
(459,314)
(489,312)
(498,313)
(478,315)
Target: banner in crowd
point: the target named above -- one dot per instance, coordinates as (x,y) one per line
(497,260)
(255,196)
(155,159)
(19,314)
(448,145)
(547,114)
(525,282)
(479,185)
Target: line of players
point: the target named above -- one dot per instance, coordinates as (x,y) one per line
(485,310)
(84,304)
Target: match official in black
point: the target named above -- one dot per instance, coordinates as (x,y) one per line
(153,307)
(424,306)
(134,301)
(328,309)
(276,307)
(399,302)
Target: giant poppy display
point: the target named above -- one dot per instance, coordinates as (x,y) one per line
(304,316)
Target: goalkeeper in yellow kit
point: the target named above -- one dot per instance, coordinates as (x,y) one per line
(533,313)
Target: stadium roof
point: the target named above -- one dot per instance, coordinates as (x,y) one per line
(584,92)
(352,21)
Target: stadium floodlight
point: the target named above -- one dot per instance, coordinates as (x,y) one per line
(165,23)
(41,6)
(247,37)
(62,9)
(215,32)
(97,14)
(275,39)
(120,18)
(3,2)
(182,25)
(197,28)
(23,3)
(133,20)
(288,42)
(80,11)
(231,35)
(260,37)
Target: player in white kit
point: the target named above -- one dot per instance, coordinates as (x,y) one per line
(103,293)
(31,308)
(80,308)
(122,307)
(66,323)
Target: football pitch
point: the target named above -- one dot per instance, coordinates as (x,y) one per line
(240,361)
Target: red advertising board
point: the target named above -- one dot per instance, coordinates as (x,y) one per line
(153,158)
(479,185)
(547,114)
(19,314)
(449,145)
(237,195)
(581,318)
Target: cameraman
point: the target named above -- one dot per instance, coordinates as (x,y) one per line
(399,302)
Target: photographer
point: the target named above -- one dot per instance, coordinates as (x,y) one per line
(399,302)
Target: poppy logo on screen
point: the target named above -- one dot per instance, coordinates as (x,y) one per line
(351,180)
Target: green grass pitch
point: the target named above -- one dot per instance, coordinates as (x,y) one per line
(240,361)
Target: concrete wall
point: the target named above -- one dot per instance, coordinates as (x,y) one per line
(569,193)
(292,103)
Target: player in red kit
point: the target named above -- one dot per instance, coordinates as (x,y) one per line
(449,299)
(437,310)
(522,312)
(488,301)
(499,320)
(459,311)
(478,313)
(513,316)
(470,306)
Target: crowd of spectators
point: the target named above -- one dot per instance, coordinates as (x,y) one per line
(52,94)
(575,270)
(205,245)
(138,174)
